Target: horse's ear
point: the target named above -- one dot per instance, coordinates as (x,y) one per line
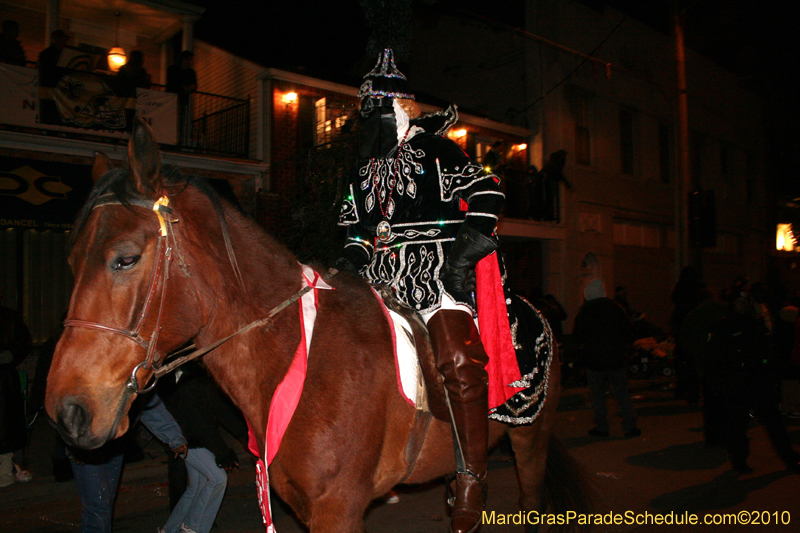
(102,164)
(144,159)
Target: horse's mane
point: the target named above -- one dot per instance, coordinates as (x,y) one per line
(116,181)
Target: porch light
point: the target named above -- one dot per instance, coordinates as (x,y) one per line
(520,147)
(289,98)
(116,56)
(460,133)
(784,238)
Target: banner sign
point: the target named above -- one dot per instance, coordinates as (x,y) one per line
(42,195)
(84,99)
(79,101)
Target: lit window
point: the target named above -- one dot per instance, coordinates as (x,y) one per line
(329,118)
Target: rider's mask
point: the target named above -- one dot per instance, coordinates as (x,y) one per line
(382,121)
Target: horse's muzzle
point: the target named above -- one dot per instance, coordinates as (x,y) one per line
(74,424)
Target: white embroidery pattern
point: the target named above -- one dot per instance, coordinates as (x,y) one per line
(412,270)
(348,213)
(460,177)
(532,399)
(383,176)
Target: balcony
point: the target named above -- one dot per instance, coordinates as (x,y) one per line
(85,101)
(90,106)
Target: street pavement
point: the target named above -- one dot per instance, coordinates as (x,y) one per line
(667,472)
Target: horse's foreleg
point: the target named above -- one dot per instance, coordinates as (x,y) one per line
(337,514)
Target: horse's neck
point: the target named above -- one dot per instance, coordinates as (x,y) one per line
(250,366)
(269,271)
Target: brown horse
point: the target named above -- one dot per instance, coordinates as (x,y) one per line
(346,443)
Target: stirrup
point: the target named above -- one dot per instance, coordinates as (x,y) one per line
(448,484)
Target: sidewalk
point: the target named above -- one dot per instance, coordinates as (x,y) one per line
(667,469)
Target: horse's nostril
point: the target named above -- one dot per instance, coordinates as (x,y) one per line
(74,418)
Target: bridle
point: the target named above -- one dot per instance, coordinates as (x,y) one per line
(159,277)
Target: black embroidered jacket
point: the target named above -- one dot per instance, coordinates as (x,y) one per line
(404,211)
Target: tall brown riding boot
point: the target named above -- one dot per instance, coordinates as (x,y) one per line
(460,358)
(470,486)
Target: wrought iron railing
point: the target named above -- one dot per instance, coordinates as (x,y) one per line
(218,125)
(531,196)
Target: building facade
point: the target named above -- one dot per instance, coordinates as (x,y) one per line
(569,77)
(602,87)
(45,161)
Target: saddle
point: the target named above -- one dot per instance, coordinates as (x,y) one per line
(430,394)
(532,342)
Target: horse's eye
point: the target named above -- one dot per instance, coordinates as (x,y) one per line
(124,263)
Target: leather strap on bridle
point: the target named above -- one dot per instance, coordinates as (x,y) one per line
(161,262)
(159,276)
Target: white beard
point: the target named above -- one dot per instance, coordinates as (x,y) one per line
(402,121)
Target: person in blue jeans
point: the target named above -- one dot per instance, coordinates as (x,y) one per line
(202,499)
(199,407)
(97,472)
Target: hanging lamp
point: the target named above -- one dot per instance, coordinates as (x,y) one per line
(116,56)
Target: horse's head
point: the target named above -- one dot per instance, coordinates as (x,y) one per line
(128,307)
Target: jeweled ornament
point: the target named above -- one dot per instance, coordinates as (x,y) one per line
(383,231)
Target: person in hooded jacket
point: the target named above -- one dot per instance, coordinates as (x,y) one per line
(603,331)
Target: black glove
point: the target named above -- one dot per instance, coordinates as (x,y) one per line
(229,461)
(351,260)
(458,275)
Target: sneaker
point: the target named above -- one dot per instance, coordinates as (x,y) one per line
(23,476)
(391,497)
(186,529)
(635,432)
(598,433)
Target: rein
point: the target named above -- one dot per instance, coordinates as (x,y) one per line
(160,276)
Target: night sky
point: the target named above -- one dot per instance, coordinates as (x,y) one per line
(321,39)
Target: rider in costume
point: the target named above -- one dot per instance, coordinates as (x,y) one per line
(420,215)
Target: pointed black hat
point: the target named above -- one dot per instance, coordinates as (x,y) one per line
(385,81)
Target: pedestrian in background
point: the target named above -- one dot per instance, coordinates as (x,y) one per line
(685,297)
(15,344)
(740,357)
(97,472)
(200,408)
(11,50)
(693,337)
(603,332)
(133,73)
(182,80)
